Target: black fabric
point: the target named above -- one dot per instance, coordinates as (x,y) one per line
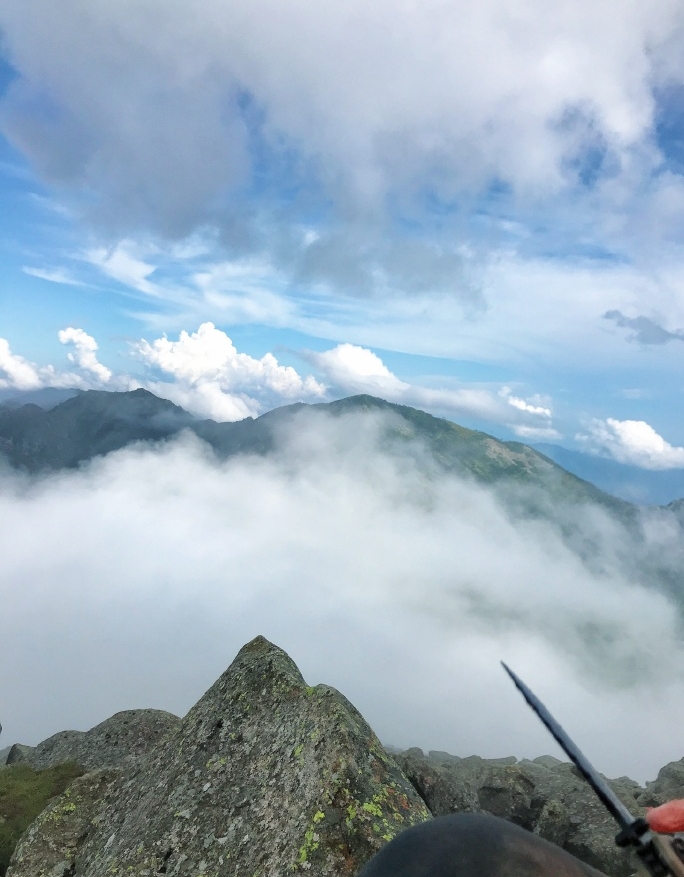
(472,845)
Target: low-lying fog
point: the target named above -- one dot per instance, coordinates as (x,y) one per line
(134,582)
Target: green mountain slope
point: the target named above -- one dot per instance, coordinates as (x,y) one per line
(97,422)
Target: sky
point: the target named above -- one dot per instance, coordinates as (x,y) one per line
(474,208)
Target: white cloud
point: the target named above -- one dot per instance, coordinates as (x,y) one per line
(242,291)
(358,370)
(634,442)
(212,379)
(57,275)
(337,81)
(84,353)
(522,405)
(202,372)
(16,372)
(121,265)
(342,557)
(245,116)
(207,400)
(535,433)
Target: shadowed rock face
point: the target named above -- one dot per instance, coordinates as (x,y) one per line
(264,776)
(546,797)
(472,845)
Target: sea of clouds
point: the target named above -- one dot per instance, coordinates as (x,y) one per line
(133,582)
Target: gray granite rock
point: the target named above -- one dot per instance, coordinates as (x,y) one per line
(3,755)
(668,784)
(18,754)
(264,776)
(545,796)
(122,738)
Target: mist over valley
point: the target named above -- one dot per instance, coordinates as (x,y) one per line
(398,556)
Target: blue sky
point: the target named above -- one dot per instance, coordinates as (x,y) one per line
(476,209)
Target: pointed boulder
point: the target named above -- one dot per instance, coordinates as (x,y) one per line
(264,775)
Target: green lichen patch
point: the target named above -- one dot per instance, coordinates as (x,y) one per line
(24,793)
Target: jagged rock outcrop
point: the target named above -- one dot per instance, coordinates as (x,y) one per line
(668,784)
(265,775)
(122,738)
(545,796)
(3,755)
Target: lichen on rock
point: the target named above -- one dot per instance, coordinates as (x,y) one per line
(265,775)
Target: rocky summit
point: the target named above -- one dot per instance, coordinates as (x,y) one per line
(264,776)
(268,776)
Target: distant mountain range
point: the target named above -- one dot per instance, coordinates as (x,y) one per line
(631,483)
(36,437)
(96,422)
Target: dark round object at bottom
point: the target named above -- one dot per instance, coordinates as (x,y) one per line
(472,845)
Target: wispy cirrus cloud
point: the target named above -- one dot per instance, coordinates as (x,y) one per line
(121,265)
(54,275)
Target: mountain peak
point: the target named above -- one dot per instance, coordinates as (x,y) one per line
(264,773)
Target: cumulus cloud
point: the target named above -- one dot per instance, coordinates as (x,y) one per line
(634,442)
(17,373)
(644,330)
(242,117)
(212,378)
(202,372)
(366,569)
(356,369)
(84,353)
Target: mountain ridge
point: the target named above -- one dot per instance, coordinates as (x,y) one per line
(96,422)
